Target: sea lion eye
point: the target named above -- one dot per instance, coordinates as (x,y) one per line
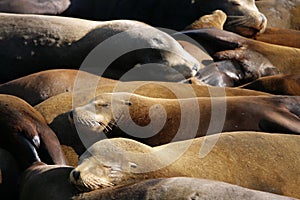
(104,105)
(195,67)
(127,102)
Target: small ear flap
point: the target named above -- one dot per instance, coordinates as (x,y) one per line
(127,102)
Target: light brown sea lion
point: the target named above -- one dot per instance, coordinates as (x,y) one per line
(37,87)
(216,19)
(156,121)
(26,135)
(9,175)
(278,85)
(56,109)
(261,161)
(281,13)
(280,36)
(34,43)
(254,56)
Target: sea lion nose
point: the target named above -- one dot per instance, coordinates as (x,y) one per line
(76,175)
(263,23)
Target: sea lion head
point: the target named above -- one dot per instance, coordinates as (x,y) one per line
(243,17)
(111,162)
(99,115)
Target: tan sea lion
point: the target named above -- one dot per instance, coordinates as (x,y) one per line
(281,13)
(215,20)
(260,161)
(256,58)
(34,43)
(26,135)
(37,87)
(156,121)
(56,109)
(278,85)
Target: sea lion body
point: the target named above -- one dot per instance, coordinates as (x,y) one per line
(280,36)
(255,57)
(56,109)
(37,87)
(156,121)
(9,175)
(244,18)
(34,6)
(277,85)
(34,43)
(46,182)
(26,135)
(54,181)
(179,188)
(249,159)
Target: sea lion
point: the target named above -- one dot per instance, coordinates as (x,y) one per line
(53,7)
(178,188)
(46,182)
(281,13)
(243,16)
(260,161)
(280,36)
(54,181)
(34,43)
(156,121)
(278,85)
(26,135)
(56,109)
(217,20)
(37,87)
(254,56)
(9,175)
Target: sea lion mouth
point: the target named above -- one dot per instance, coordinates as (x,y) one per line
(245,26)
(90,122)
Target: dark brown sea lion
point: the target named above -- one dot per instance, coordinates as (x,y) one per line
(255,57)
(156,121)
(54,181)
(280,36)
(34,6)
(56,109)
(37,87)
(9,175)
(260,161)
(26,135)
(278,85)
(243,16)
(34,43)
(281,13)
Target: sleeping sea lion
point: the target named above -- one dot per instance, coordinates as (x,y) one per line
(255,160)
